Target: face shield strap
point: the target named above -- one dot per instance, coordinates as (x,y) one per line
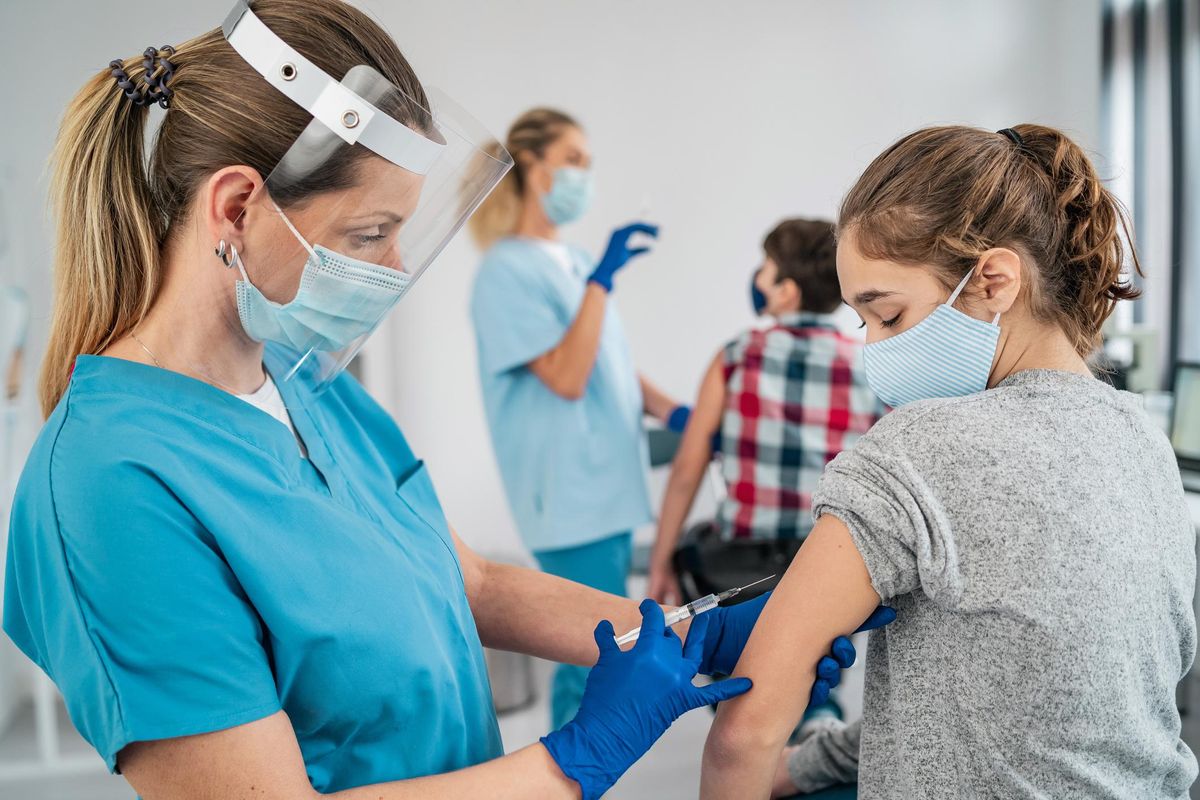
(345,113)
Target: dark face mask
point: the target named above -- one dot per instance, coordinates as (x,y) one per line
(757,298)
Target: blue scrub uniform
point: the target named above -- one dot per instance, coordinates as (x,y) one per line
(176,567)
(574,470)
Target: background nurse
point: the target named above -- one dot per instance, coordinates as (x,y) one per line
(564,401)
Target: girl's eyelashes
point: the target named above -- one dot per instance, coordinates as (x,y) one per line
(887,323)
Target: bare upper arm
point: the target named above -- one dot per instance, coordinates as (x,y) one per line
(825,593)
(259,760)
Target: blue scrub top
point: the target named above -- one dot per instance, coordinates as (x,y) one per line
(574,470)
(176,567)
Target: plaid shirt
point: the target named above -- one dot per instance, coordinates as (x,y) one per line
(795,396)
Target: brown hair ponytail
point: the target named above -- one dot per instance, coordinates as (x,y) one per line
(942,196)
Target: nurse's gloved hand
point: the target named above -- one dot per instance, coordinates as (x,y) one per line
(678,418)
(619,253)
(729,629)
(631,698)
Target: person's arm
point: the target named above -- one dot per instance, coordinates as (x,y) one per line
(655,402)
(526,611)
(826,757)
(566,367)
(687,472)
(262,760)
(825,593)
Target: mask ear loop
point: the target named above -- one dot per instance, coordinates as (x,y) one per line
(962,285)
(296,233)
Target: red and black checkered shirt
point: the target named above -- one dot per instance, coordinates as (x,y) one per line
(795,396)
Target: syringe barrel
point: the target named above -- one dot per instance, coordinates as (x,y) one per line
(706,603)
(675,616)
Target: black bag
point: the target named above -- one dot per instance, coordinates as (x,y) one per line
(704,564)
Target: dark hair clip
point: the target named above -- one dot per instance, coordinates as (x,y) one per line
(157,71)
(1013,136)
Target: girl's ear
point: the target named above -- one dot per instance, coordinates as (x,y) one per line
(997,281)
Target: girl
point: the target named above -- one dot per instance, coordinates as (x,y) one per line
(1018,513)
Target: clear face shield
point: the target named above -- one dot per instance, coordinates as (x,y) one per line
(355,211)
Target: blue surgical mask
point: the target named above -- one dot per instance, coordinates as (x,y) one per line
(947,354)
(570,195)
(339,299)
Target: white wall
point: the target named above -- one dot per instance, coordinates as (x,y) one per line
(724,117)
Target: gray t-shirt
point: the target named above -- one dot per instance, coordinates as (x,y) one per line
(1035,542)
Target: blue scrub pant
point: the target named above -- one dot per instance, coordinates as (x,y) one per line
(603,565)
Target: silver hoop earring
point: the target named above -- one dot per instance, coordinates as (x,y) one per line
(221,252)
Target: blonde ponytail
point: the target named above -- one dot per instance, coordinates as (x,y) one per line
(535,129)
(497,216)
(108,235)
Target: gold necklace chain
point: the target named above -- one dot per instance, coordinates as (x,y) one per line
(158,364)
(149,352)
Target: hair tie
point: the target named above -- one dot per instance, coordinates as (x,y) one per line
(157,71)
(1013,136)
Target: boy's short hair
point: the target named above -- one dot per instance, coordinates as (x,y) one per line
(805,250)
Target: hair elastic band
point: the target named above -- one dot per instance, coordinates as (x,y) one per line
(1013,136)
(158,70)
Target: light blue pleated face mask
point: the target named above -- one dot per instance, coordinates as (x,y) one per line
(570,195)
(947,354)
(339,299)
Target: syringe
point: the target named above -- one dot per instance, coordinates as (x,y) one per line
(706,603)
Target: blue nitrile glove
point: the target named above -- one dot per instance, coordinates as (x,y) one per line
(618,253)
(678,418)
(729,630)
(631,698)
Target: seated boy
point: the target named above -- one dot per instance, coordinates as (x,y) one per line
(785,400)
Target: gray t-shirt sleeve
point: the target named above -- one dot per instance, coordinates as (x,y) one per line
(896,521)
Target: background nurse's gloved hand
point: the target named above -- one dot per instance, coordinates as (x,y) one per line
(619,253)
(631,698)
(677,420)
(729,629)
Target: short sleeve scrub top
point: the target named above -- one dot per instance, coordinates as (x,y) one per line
(177,567)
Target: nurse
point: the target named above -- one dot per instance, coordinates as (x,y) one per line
(564,400)
(222,551)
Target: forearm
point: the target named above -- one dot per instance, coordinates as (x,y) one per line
(565,369)
(262,759)
(528,773)
(678,498)
(526,611)
(691,461)
(656,402)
